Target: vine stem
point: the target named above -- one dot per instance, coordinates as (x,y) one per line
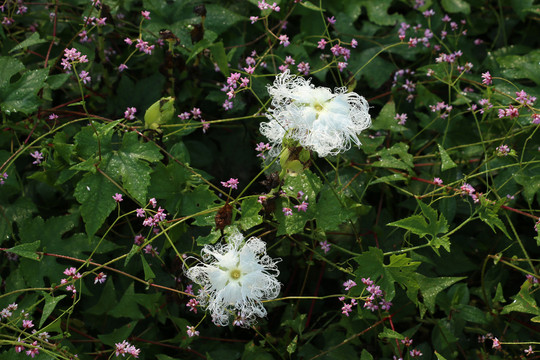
(98,266)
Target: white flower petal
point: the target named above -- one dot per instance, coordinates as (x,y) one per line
(235,279)
(318,119)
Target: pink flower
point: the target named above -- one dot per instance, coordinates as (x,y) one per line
(100,278)
(38,156)
(346,309)
(27,324)
(253,19)
(117,197)
(486,78)
(138,239)
(146,14)
(402,118)
(192,304)
(341,65)
(302,207)
(325,246)
(496,344)
(437,181)
(53,117)
(535,119)
(122,67)
(349,284)
(331,20)
(85,77)
(287,211)
(70,271)
(227,105)
(34,351)
(502,150)
(231,183)
(304,68)
(322,43)
(129,114)
(284,40)
(191,331)
(354,43)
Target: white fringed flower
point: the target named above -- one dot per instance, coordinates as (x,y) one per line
(318,119)
(234,278)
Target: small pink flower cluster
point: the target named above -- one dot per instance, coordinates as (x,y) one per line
(525,99)
(409,86)
(32,352)
(467,189)
(402,118)
(375,293)
(196,113)
(443,108)
(72,56)
(449,58)
(192,305)
(124,348)
(503,150)
(38,157)
(142,46)
(3,178)
(325,246)
(100,278)
(92,20)
(129,114)
(191,331)
(264,6)
(8,311)
(231,183)
(486,78)
(511,112)
(486,105)
(262,148)
(72,274)
(234,81)
(158,217)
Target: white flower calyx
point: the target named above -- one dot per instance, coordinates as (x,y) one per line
(318,119)
(235,278)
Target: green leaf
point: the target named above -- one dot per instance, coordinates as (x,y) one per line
(148,273)
(57,80)
(490,217)
(95,192)
(523,301)
(50,304)
(456,6)
(446,160)
(386,119)
(365,355)
(401,270)
(415,223)
(20,96)
(311,6)
(209,38)
(431,287)
(218,51)
(291,348)
(331,210)
(27,250)
(439,356)
(32,40)
(10,66)
(128,164)
(404,160)
(211,238)
(472,314)
(531,185)
(521,66)
(390,334)
(197,200)
(118,335)
(378,12)
(250,213)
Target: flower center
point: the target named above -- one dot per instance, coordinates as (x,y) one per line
(236,274)
(318,107)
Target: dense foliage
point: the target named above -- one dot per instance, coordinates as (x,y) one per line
(146,212)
